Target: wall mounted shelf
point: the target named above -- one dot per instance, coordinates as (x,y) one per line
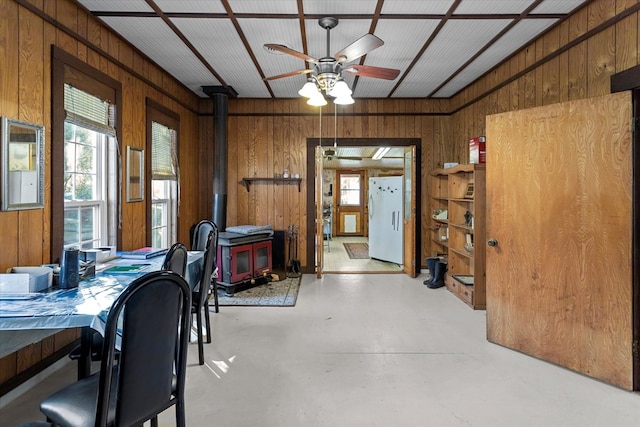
(246,182)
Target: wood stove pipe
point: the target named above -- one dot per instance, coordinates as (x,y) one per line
(220,96)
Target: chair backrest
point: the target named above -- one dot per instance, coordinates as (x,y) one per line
(176,259)
(153,349)
(208,268)
(200,233)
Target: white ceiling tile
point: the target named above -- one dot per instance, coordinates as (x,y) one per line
(154,38)
(453,46)
(558,6)
(271,6)
(435,7)
(116,5)
(468,7)
(395,53)
(339,7)
(519,35)
(219,43)
(190,6)
(280,31)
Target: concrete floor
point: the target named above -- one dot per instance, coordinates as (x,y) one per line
(370,350)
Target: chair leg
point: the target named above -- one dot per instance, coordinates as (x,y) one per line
(154,421)
(200,337)
(207,321)
(215,298)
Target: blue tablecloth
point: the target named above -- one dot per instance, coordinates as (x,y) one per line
(81,306)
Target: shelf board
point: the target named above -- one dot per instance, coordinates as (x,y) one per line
(246,182)
(462,227)
(444,243)
(461,252)
(458,199)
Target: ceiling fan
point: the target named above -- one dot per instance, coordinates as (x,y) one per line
(331,153)
(327,71)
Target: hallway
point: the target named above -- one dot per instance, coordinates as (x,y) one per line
(336,259)
(371,350)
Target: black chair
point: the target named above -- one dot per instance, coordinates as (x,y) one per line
(200,297)
(150,375)
(199,235)
(176,259)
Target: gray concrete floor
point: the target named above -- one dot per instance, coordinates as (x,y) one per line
(370,350)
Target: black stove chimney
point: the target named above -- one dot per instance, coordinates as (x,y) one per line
(220,96)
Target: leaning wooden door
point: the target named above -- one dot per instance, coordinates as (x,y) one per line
(558,269)
(409,200)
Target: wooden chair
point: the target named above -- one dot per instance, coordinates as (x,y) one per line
(150,375)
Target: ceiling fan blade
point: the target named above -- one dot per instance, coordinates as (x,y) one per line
(358,48)
(375,72)
(292,73)
(283,49)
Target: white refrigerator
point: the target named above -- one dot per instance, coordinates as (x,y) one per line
(386,219)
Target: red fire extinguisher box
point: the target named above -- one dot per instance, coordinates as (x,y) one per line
(477,150)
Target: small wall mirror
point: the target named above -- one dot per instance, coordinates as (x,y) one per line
(22,165)
(135,174)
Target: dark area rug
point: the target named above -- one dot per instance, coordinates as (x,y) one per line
(357,250)
(282,293)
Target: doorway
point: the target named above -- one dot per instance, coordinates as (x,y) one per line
(315,239)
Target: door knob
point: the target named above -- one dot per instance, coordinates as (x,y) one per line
(492,242)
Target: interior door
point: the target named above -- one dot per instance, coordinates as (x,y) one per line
(559,210)
(410,265)
(350,203)
(319,213)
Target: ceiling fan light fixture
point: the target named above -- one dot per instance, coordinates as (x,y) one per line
(317,100)
(308,90)
(380,153)
(344,100)
(340,90)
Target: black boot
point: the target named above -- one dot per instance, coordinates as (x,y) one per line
(431,265)
(438,281)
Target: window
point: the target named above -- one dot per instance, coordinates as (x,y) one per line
(350,190)
(87,175)
(164,185)
(85,161)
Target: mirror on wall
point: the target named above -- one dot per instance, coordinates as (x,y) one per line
(135,176)
(22,165)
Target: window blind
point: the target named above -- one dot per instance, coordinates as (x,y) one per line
(164,163)
(88,111)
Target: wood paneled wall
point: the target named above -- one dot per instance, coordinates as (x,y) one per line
(574,60)
(571,61)
(267,136)
(28,29)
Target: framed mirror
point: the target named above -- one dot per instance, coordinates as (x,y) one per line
(22,165)
(135,174)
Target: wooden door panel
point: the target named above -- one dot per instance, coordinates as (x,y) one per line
(559,205)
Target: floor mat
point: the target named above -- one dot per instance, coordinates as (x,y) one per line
(283,293)
(357,250)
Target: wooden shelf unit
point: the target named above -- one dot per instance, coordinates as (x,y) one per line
(449,190)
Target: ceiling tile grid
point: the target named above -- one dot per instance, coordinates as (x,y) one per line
(154,38)
(215,46)
(519,35)
(395,53)
(454,45)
